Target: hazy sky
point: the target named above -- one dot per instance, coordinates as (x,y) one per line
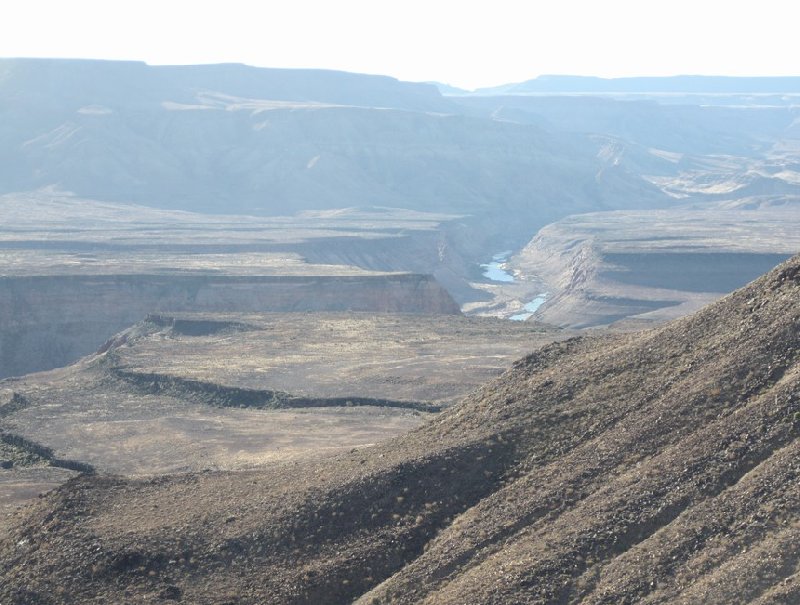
(464,43)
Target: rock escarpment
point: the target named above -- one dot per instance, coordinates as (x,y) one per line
(50,321)
(641,268)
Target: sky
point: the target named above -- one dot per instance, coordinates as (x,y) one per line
(464,43)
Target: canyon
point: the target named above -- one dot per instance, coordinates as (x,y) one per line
(304,336)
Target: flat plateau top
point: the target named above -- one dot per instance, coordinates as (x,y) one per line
(175,392)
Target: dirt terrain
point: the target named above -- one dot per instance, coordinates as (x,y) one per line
(417,358)
(656,467)
(187,392)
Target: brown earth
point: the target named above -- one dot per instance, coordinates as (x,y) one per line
(188,392)
(659,467)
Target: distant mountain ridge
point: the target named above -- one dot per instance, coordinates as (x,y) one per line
(651,84)
(114,81)
(239,139)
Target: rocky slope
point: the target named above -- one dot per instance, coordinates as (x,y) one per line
(657,467)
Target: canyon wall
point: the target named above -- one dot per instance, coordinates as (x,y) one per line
(50,321)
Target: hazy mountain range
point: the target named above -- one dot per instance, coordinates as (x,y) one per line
(230,138)
(654,85)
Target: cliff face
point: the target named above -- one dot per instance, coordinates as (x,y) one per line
(50,321)
(645,267)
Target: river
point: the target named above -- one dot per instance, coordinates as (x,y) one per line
(495,270)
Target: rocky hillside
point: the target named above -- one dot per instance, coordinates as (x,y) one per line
(658,467)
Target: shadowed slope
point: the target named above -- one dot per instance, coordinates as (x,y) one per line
(658,467)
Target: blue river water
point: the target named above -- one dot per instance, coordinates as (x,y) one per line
(530,308)
(495,271)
